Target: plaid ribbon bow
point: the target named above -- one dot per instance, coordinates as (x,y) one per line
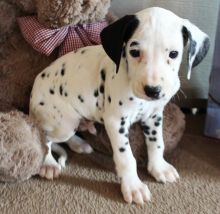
(68,38)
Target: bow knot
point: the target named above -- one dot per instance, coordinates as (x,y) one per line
(67,38)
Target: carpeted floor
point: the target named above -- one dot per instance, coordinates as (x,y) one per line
(85,187)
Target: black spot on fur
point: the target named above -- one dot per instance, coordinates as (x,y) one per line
(120,103)
(96,93)
(122,123)
(156,123)
(121,130)
(41,103)
(159,119)
(154,132)
(103,74)
(48,75)
(152,139)
(102,89)
(131,98)
(83,51)
(154,116)
(97,105)
(158,147)
(80,98)
(121,149)
(66,94)
(126,143)
(109,99)
(63,70)
(146,129)
(126,135)
(61,90)
(146,132)
(101,119)
(51,91)
(42,75)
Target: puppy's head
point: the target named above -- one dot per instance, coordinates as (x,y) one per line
(152,43)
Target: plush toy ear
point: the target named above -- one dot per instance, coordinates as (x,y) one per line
(115,35)
(198,45)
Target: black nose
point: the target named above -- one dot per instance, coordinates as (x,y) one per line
(152,91)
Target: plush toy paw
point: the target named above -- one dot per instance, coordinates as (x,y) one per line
(134,190)
(163,171)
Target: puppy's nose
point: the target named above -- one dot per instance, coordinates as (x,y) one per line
(152,91)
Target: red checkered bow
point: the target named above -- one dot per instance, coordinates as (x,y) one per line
(68,38)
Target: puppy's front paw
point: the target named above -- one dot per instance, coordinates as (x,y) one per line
(134,190)
(50,171)
(50,168)
(163,171)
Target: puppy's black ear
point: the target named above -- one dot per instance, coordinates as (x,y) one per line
(198,45)
(115,35)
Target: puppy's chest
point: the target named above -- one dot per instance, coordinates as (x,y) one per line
(120,101)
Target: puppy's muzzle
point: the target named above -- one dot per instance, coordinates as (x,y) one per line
(152,91)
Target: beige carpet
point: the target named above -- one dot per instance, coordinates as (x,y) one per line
(85,187)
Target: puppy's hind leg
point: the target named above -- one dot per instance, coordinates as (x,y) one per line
(79,145)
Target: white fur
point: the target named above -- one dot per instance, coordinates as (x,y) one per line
(60,113)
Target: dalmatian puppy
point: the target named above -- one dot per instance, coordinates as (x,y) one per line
(129,78)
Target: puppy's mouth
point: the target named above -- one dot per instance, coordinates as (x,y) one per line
(154,98)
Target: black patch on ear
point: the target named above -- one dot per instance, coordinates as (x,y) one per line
(202,52)
(115,35)
(123,52)
(192,43)
(187,36)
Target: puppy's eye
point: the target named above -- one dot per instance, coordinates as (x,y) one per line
(173,54)
(135,53)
